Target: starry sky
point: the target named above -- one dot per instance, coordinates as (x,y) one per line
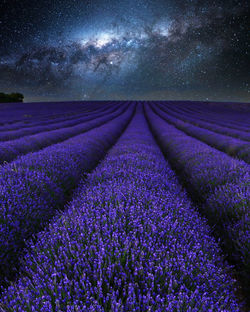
(125,49)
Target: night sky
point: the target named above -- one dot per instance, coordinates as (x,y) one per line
(130,49)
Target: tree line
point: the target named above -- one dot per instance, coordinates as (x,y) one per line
(12,97)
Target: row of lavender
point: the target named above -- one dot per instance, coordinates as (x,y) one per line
(39,121)
(232,146)
(219,182)
(233,119)
(55,124)
(129,241)
(12,149)
(195,120)
(35,185)
(51,119)
(25,112)
(216,114)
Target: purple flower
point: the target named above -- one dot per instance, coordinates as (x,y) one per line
(130,240)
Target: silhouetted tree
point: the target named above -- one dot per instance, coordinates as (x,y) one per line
(12,97)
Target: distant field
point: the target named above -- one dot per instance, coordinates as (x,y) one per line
(124,206)
(233,106)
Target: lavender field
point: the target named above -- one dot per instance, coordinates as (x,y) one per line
(124,206)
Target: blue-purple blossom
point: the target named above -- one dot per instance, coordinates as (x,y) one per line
(130,240)
(34,186)
(218,182)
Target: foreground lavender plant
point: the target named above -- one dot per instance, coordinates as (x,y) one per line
(220,182)
(35,185)
(130,241)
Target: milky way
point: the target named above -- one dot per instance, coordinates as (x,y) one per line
(172,49)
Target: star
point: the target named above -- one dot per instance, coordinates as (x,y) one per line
(134,47)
